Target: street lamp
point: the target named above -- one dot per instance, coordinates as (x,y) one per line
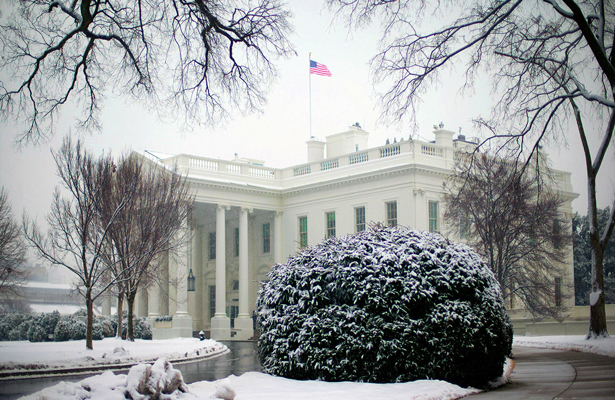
(190,281)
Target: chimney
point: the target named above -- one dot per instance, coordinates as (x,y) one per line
(316,149)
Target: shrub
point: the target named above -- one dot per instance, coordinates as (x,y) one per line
(49,321)
(5,328)
(61,333)
(76,329)
(146,330)
(384,305)
(23,328)
(98,331)
(14,335)
(37,333)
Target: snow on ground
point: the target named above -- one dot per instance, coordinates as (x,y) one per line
(259,386)
(21,355)
(603,346)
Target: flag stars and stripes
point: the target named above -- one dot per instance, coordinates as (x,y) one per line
(319,69)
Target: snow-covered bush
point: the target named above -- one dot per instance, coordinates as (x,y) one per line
(98,331)
(49,320)
(36,333)
(141,329)
(61,333)
(384,305)
(14,335)
(76,329)
(5,328)
(146,330)
(23,328)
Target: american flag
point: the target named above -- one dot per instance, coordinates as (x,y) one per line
(319,69)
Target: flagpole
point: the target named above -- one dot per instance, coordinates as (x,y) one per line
(310,74)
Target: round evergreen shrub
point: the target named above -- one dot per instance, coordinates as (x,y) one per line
(14,335)
(146,330)
(384,305)
(23,328)
(5,328)
(37,333)
(76,329)
(61,333)
(98,331)
(49,321)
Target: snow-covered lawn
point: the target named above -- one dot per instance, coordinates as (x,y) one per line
(604,346)
(47,355)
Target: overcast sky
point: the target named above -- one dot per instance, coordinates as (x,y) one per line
(278,135)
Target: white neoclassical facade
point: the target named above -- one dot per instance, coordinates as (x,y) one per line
(247,217)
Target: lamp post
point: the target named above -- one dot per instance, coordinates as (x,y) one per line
(190,281)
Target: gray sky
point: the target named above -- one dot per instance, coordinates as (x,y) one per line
(278,135)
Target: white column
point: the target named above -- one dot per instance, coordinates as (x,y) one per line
(106,306)
(244,283)
(244,323)
(142,303)
(197,298)
(182,322)
(277,237)
(153,301)
(220,323)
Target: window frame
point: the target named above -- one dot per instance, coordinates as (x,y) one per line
(302,234)
(330,224)
(267,237)
(212,245)
(357,222)
(435,227)
(391,220)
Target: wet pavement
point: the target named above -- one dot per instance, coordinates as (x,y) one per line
(555,374)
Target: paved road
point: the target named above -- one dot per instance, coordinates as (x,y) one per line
(553,374)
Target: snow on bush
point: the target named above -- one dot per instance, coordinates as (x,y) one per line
(384,305)
(37,333)
(76,329)
(61,333)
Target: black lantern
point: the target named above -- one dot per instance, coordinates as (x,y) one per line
(190,281)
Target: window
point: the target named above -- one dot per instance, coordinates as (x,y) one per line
(391,213)
(212,245)
(303,231)
(558,292)
(236,242)
(235,285)
(212,301)
(557,231)
(330,224)
(266,238)
(359,218)
(433,217)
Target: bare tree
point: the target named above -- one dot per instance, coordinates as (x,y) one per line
(513,221)
(197,58)
(152,223)
(76,237)
(551,62)
(12,250)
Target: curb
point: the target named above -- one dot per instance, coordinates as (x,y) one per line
(51,372)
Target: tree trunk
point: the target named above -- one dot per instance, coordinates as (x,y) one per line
(130,335)
(597,312)
(120,309)
(89,304)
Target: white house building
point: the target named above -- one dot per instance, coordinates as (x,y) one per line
(247,217)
